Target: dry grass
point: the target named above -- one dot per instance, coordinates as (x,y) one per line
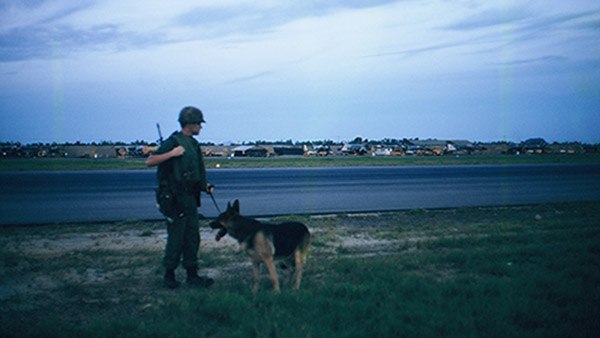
(512,271)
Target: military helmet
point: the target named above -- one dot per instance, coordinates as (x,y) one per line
(190,115)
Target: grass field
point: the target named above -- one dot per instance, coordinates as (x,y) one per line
(523,271)
(102,164)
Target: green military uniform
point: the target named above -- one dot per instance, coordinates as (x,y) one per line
(183,178)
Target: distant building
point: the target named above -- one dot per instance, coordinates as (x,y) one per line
(496,148)
(427,147)
(250,151)
(288,151)
(566,148)
(534,146)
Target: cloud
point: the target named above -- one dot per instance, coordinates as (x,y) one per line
(538,60)
(592,24)
(578,18)
(49,41)
(215,22)
(254,17)
(426,49)
(23,14)
(30,30)
(520,26)
(524,27)
(251,77)
(492,17)
(33,29)
(43,42)
(522,20)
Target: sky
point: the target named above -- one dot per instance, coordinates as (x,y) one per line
(109,70)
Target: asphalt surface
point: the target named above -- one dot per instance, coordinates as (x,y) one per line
(97,196)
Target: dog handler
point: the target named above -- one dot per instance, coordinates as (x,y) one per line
(181,177)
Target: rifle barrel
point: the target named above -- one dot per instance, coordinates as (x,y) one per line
(160,138)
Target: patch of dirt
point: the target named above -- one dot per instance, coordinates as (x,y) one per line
(86,267)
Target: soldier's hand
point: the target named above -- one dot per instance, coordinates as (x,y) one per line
(177,151)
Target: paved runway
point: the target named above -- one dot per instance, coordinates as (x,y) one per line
(84,196)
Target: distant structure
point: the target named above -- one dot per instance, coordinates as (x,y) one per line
(357,147)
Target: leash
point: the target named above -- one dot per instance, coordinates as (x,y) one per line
(214,202)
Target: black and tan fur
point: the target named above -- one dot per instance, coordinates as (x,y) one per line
(265,242)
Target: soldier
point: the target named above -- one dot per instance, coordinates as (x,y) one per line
(181,177)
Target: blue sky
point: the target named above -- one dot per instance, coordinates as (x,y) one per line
(303,70)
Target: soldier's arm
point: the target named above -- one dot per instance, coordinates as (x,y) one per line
(156,159)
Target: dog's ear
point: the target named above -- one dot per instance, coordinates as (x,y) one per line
(228,206)
(236,206)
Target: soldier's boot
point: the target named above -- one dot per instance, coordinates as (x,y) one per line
(170,280)
(195,280)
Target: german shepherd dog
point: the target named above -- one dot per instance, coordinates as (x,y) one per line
(265,242)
